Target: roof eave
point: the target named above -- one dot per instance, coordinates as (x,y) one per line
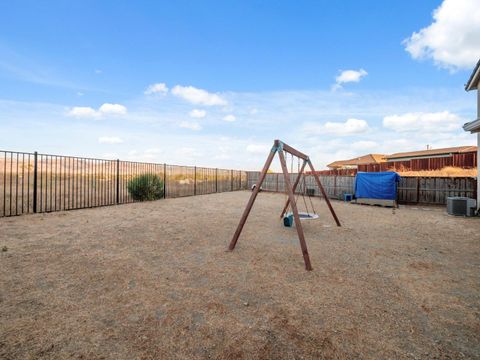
(473,126)
(415,157)
(472,83)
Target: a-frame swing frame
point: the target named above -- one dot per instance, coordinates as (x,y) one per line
(279,147)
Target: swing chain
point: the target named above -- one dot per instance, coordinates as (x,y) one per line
(302,190)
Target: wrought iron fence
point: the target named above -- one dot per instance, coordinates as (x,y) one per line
(35,183)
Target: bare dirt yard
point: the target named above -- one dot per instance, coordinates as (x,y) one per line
(153,281)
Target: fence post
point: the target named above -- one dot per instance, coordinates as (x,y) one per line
(335,186)
(194,180)
(216,180)
(418,189)
(277,184)
(118,181)
(164,180)
(35,180)
(231,180)
(475,186)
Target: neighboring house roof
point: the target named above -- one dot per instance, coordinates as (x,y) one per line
(430,153)
(365,159)
(472,83)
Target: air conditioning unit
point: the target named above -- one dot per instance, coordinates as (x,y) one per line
(461,206)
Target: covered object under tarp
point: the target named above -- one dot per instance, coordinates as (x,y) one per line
(380,187)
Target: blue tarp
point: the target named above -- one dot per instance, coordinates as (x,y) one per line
(379,185)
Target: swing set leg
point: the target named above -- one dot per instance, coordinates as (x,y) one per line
(296,217)
(255,192)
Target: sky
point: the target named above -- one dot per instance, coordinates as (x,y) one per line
(213,83)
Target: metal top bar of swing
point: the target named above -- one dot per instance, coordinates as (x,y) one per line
(282,146)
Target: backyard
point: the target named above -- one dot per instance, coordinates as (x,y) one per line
(154,280)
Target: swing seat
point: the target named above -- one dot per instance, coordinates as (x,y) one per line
(288,220)
(307,216)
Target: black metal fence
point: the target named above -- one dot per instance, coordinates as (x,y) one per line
(35,183)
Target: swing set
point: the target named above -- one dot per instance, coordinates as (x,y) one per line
(290,213)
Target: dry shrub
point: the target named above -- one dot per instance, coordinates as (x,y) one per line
(448,171)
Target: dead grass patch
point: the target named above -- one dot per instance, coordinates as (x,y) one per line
(153,280)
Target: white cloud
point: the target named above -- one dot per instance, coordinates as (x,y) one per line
(229,118)
(347,76)
(112,109)
(350,76)
(443,121)
(198,114)
(259,149)
(453,38)
(158,88)
(190,125)
(109,140)
(349,127)
(198,96)
(104,110)
(82,112)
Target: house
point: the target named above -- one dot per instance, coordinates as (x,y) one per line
(353,163)
(474,126)
(463,157)
(430,153)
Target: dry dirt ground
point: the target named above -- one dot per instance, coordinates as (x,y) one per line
(153,281)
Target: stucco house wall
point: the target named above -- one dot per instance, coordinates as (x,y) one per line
(474,126)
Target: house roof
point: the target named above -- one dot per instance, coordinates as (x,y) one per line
(364,159)
(472,83)
(432,152)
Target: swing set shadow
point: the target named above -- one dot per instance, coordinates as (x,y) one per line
(281,148)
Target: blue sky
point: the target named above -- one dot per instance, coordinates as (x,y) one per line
(212,83)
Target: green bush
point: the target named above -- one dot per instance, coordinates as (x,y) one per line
(146,187)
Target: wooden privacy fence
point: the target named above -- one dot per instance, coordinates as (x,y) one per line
(435,190)
(411,190)
(34,183)
(335,186)
(464,161)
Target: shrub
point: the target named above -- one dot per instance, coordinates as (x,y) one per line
(146,187)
